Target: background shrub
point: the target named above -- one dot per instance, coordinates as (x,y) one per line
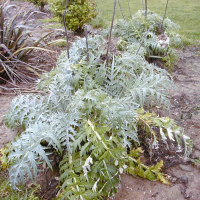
(40,3)
(78,12)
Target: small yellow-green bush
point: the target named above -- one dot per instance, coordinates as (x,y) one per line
(78,12)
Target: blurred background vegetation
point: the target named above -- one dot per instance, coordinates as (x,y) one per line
(186,13)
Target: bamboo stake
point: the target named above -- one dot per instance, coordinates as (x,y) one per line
(143,4)
(145,8)
(121,9)
(144,38)
(113,17)
(86,37)
(64,22)
(2,23)
(129,9)
(164,15)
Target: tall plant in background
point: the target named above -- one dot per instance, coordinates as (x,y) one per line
(78,12)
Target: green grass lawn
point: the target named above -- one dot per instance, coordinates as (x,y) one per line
(186,13)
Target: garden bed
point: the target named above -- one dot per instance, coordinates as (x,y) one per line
(184,174)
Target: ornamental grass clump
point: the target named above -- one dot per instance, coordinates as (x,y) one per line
(17,45)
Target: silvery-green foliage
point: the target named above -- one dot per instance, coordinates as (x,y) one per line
(131,76)
(41,118)
(149,86)
(27,152)
(27,109)
(171,29)
(87,113)
(145,30)
(133,49)
(153,23)
(78,51)
(151,45)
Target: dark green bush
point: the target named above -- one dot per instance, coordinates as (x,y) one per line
(78,12)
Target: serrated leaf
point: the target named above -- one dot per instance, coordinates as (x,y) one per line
(162,179)
(158,166)
(149,175)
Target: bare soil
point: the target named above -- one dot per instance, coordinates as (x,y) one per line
(183,174)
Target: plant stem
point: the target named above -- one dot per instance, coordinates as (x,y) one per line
(64,22)
(97,134)
(111,32)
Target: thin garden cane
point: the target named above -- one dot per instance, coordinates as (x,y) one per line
(2,21)
(164,15)
(121,10)
(111,31)
(143,4)
(129,9)
(64,22)
(146,8)
(144,38)
(86,39)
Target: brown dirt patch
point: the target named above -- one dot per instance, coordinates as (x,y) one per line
(185,111)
